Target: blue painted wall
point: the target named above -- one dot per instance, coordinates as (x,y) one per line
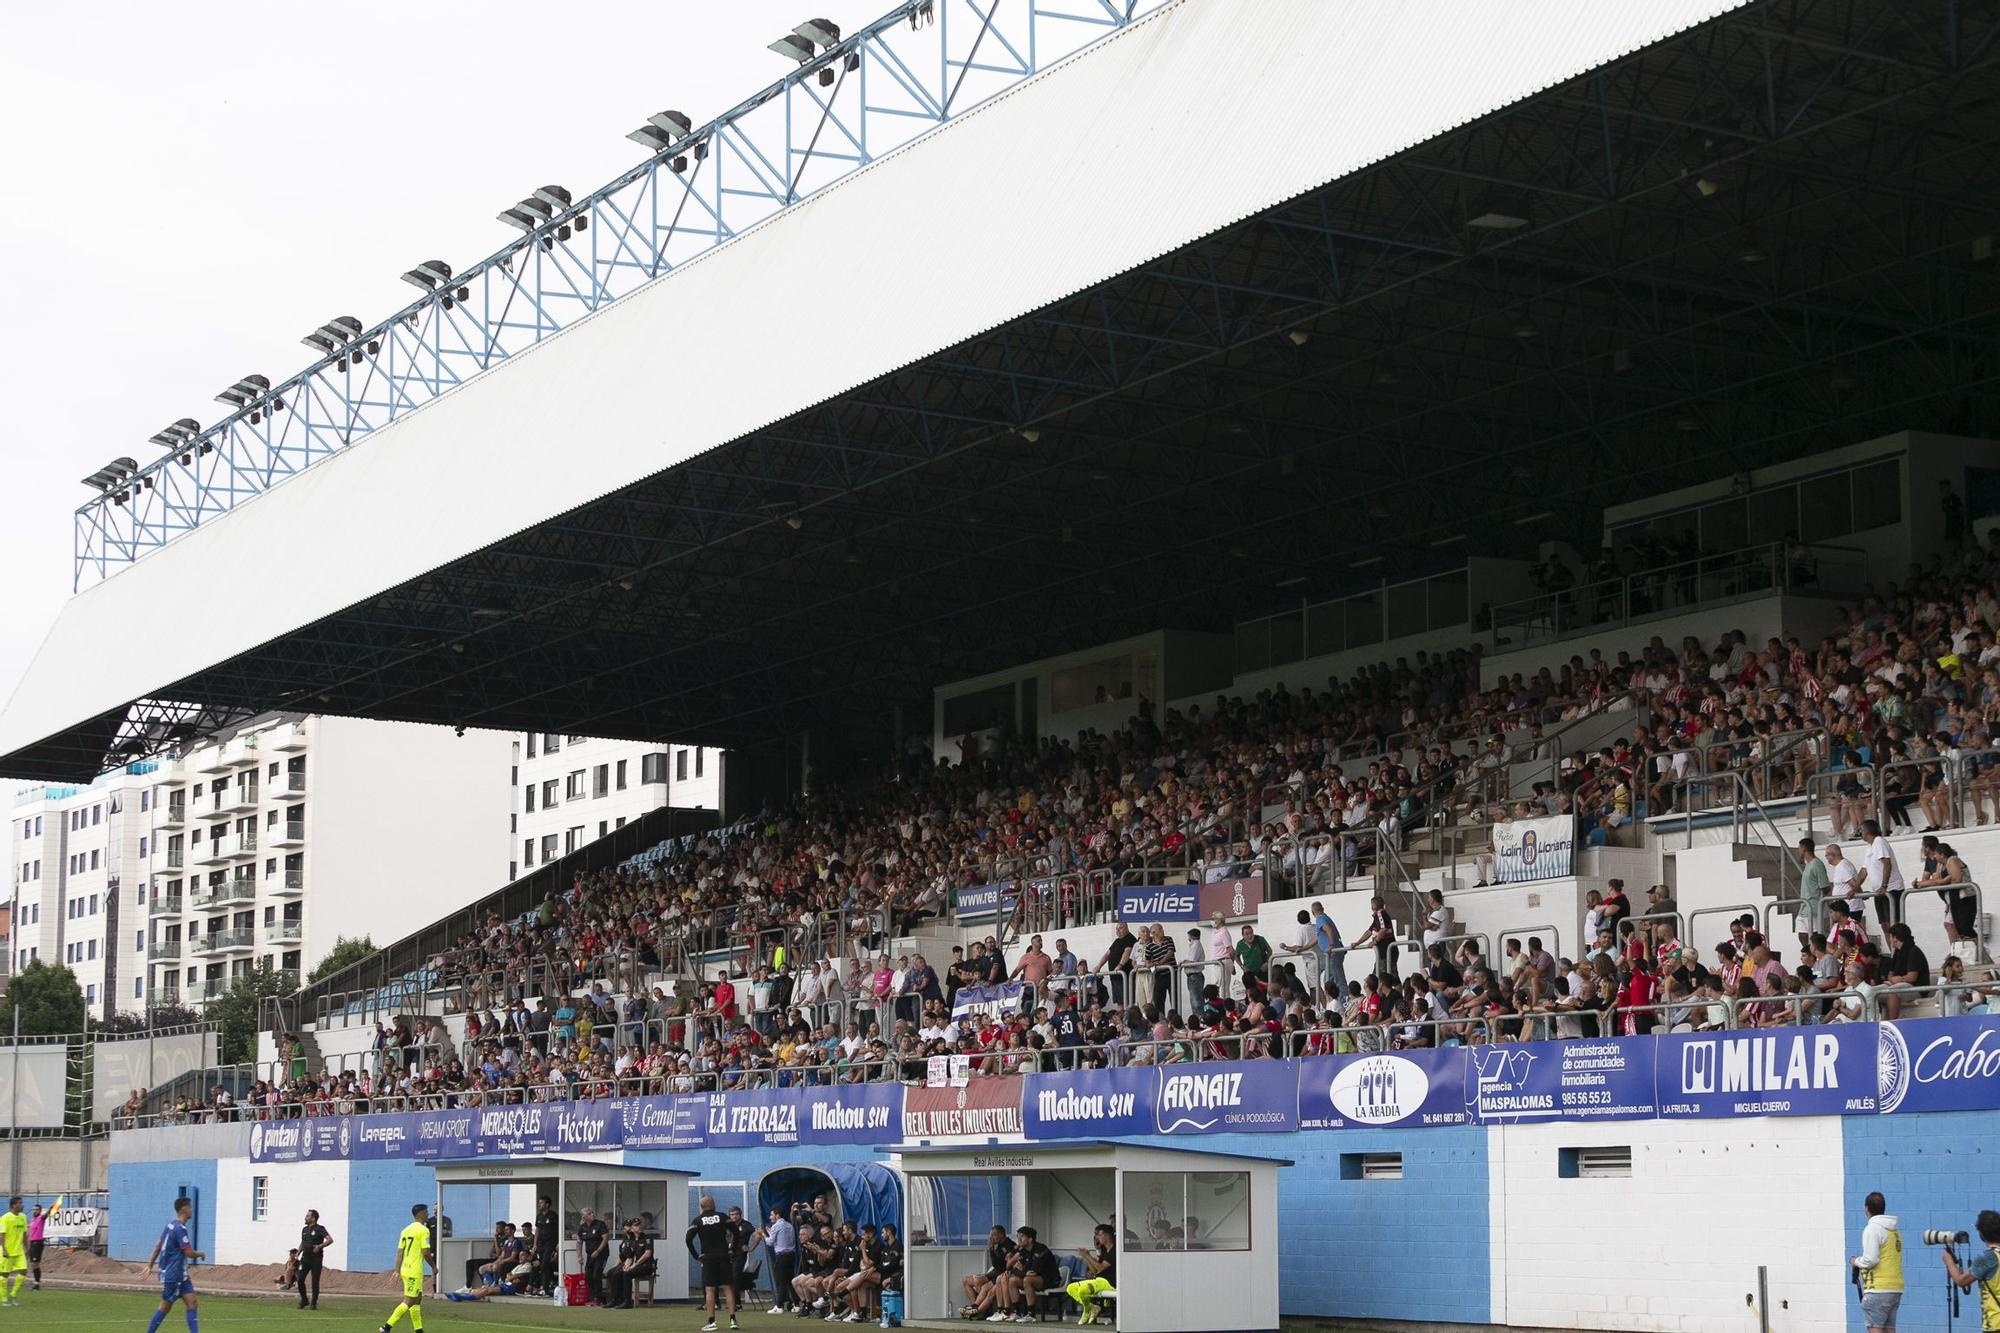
(142,1198)
(1934,1171)
(379,1195)
(1348,1247)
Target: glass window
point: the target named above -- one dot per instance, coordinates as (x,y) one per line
(1774,515)
(1192,1210)
(1288,638)
(1409,609)
(1725,526)
(1825,511)
(1878,495)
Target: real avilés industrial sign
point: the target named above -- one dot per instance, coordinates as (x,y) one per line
(1933,1064)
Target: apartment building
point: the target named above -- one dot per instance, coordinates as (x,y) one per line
(162,882)
(569,790)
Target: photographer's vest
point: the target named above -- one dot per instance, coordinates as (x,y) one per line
(1989,1298)
(1887,1274)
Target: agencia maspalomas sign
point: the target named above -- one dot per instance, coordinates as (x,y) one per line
(1525,849)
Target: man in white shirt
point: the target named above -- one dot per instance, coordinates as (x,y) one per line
(1884,878)
(806,995)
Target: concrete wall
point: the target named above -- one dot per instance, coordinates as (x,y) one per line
(54,1166)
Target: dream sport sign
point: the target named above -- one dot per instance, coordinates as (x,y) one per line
(1528,849)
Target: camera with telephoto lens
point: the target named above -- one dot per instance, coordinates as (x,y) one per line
(1946,1238)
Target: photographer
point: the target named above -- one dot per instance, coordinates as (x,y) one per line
(1983,1268)
(1880,1265)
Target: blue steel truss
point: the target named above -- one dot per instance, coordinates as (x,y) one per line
(874,92)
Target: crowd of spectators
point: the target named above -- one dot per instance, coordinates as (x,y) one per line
(1889,718)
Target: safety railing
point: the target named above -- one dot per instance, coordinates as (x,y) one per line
(1552,936)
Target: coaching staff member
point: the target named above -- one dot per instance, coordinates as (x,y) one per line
(716,1244)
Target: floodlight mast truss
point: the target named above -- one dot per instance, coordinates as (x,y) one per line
(877,90)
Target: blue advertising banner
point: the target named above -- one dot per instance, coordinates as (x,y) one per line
(1391,1088)
(277,1140)
(666,1122)
(852,1113)
(1612,1079)
(544,1127)
(1939,1064)
(978,902)
(443,1134)
(1159,902)
(384,1137)
(1785,1071)
(765,1117)
(1090,1103)
(1247,1097)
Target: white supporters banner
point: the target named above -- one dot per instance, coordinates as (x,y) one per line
(1525,849)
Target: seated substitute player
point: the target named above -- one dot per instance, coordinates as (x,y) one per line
(982,1289)
(413,1251)
(172,1251)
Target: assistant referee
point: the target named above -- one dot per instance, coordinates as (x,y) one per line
(716,1243)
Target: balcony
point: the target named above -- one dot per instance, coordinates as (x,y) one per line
(216,805)
(288,884)
(166,997)
(164,904)
(291,833)
(211,989)
(287,739)
(237,940)
(163,951)
(171,858)
(171,815)
(289,977)
(235,891)
(287,785)
(239,797)
(230,755)
(283,932)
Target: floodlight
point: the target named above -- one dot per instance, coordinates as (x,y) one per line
(820,32)
(793,47)
(429,274)
(244,391)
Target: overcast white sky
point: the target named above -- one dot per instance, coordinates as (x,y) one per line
(191,188)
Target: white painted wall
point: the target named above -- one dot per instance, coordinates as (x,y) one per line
(1707,1202)
(295,1187)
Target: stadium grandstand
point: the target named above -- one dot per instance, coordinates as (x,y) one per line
(1417,588)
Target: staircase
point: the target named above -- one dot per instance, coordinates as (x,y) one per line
(1774,870)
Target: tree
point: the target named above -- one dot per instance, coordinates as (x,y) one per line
(50,1002)
(236,1011)
(344,954)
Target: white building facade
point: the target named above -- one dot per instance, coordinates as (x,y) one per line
(571,790)
(161,883)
